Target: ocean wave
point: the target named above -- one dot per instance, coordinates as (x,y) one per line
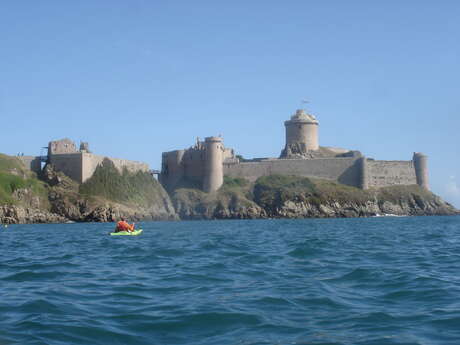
(353,281)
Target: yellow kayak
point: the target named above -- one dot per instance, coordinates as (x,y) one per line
(127,233)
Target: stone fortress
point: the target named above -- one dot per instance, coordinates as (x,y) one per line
(77,164)
(206,163)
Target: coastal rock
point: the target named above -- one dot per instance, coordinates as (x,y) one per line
(67,200)
(11,214)
(194,204)
(299,197)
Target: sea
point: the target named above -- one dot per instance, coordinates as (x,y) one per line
(386,280)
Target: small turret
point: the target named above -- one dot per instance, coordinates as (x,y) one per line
(214,170)
(84,147)
(421,169)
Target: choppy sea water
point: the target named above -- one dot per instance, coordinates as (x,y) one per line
(314,281)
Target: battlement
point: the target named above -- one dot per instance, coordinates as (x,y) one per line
(301,116)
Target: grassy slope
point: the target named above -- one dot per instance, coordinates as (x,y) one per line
(275,189)
(269,192)
(14,176)
(126,187)
(234,191)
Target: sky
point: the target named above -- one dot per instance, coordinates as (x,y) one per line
(140,77)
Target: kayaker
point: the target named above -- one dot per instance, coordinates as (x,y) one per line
(123,225)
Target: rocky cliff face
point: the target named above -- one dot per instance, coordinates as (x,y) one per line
(333,209)
(67,200)
(297,197)
(55,198)
(194,204)
(109,194)
(12,214)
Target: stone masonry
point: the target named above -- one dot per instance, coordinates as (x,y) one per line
(206,163)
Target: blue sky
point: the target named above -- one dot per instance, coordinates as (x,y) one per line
(136,78)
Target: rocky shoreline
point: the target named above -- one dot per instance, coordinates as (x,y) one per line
(290,209)
(298,208)
(58,199)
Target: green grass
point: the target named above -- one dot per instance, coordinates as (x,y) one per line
(234,182)
(125,187)
(398,193)
(8,163)
(14,176)
(270,191)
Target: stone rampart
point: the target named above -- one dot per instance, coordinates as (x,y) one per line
(343,170)
(91,161)
(69,163)
(390,173)
(31,162)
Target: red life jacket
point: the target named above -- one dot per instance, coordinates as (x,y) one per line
(122,225)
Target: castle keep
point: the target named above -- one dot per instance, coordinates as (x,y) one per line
(206,163)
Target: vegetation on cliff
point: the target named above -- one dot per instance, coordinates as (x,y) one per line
(16,180)
(54,197)
(293,196)
(138,188)
(281,196)
(232,201)
(109,194)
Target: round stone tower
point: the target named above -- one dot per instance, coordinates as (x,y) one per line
(421,169)
(363,180)
(213,167)
(301,133)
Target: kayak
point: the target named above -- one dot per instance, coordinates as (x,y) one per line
(127,233)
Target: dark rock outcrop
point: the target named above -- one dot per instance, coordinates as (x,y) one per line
(298,197)
(65,199)
(59,199)
(12,214)
(224,204)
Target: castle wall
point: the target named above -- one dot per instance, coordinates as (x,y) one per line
(343,170)
(31,162)
(194,164)
(69,163)
(390,173)
(91,161)
(180,164)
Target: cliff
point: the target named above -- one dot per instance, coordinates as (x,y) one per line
(232,201)
(297,197)
(23,198)
(53,197)
(109,194)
